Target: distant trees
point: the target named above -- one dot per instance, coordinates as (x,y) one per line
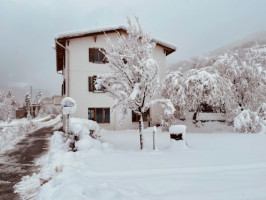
(8,106)
(135,77)
(37,102)
(27,104)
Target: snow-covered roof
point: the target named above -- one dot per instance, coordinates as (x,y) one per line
(83,33)
(62,37)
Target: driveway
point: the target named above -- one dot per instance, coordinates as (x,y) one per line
(19,162)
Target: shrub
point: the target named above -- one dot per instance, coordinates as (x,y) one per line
(247,122)
(262,113)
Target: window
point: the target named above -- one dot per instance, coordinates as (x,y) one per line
(145,116)
(100,115)
(96,56)
(91,84)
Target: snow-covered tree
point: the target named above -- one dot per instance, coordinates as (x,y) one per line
(27,104)
(3,106)
(247,77)
(14,106)
(190,91)
(244,68)
(38,97)
(135,77)
(8,106)
(174,89)
(37,102)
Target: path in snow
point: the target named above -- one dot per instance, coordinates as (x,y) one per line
(20,161)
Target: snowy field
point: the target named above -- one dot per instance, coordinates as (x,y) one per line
(215,166)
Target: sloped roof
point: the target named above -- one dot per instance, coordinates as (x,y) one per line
(62,37)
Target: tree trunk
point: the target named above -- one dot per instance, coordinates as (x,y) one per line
(141,131)
(195,116)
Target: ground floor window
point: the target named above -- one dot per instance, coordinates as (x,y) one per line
(145,116)
(100,115)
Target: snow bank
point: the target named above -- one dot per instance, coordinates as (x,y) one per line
(60,156)
(10,135)
(214,169)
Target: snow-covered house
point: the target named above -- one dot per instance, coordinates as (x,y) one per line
(79,60)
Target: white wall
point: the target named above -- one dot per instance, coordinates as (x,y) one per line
(81,69)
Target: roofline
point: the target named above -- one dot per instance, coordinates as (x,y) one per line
(62,37)
(85,33)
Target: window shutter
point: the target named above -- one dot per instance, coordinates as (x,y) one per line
(64,87)
(91,85)
(91,52)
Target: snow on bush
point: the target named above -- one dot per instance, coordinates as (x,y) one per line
(262,113)
(84,129)
(247,122)
(82,126)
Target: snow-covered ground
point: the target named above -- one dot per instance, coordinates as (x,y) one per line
(13,132)
(215,166)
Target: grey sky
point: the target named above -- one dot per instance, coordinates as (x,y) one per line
(27,29)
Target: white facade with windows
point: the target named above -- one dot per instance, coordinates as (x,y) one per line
(79,61)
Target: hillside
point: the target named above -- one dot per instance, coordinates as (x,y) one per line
(246,44)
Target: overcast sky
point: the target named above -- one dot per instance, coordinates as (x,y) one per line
(28,27)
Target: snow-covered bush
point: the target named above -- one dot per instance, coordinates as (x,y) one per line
(166,122)
(247,122)
(262,113)
(83,130)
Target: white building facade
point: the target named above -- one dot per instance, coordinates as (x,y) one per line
(79,61)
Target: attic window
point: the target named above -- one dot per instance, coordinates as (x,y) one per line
(96,56)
